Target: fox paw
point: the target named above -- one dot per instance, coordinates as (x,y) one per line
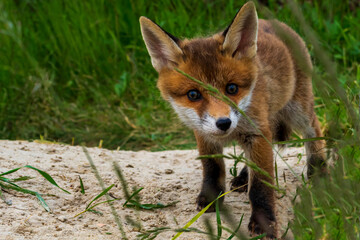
(205,198)
(316,166)
(260,223)
(239,183)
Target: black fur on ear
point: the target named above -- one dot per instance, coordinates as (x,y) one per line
(162,46)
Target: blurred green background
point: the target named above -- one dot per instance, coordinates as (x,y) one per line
(78,71)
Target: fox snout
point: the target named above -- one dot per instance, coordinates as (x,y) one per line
(223,123)
(219,126)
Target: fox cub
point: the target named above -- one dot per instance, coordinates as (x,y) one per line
(262,66)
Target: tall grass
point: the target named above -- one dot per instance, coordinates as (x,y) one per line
(79,69)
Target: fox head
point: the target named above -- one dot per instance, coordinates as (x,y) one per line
(225,60)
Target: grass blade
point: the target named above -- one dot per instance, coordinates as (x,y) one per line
(258,237)
(196,217)
(107,201)
(304,140)
(23,178)
(82,189)
(193,220)
(27,191)
(276,175)
(148,206)
(17,188)
(132,195)
(218,220)
(93,206)
(100,195)
(130,203)
(122,180)
(94,211)
(214,156)
(113,210)
(11,185)
(47,177)
(237,228)
(11,171)
(42,202)
(209,229)
(8,180)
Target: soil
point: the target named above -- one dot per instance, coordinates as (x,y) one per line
(166,177)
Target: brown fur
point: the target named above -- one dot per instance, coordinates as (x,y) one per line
(213,173)
(269,62)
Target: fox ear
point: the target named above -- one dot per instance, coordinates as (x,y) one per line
(241,36)
(162,46)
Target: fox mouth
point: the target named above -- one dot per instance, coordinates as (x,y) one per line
(222,134)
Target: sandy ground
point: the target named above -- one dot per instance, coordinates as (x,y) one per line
(165,176)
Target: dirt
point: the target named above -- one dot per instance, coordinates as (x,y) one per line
(166,177)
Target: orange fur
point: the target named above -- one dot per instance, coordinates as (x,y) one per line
(271,67)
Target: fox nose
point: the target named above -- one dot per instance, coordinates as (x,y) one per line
(223,123)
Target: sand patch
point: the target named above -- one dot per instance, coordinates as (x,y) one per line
(165,176)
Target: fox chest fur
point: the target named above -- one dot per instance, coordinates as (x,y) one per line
(263,67)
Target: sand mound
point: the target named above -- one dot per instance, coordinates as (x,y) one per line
(165,176)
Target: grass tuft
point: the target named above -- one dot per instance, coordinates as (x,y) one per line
(9,183)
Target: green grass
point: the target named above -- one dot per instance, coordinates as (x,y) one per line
(7,183)
(78,71)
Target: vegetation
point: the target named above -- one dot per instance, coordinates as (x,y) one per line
(10,184)
(78,71)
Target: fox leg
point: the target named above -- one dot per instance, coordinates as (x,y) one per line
(213,173)
(300,116)
(262,197)
(315,150)
(241,182)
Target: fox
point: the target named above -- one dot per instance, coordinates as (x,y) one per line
(264,67)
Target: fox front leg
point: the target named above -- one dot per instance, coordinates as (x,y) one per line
(213,182)
(262,197)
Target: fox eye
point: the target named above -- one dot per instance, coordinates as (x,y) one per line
(232,89)
(194,95)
